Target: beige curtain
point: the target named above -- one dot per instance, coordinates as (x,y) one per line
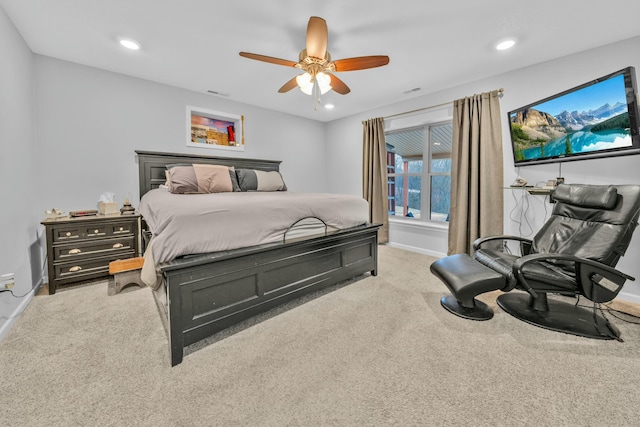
(374,175)
(476,172)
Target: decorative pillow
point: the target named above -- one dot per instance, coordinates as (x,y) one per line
(173,165)
(182,180)
(257,180)
(198,178)
(213,178)
(234,179)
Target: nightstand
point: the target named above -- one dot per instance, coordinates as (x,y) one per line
(81,248)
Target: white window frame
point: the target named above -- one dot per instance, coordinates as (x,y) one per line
(425,176)
(428,172)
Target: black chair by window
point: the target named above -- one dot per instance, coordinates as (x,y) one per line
(574,254)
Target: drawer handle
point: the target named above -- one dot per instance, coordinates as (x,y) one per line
(117,245)
(74,251)
(121,228)
(68,234)
(75,268)
(96,231)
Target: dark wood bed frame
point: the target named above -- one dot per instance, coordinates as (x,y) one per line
(211,292)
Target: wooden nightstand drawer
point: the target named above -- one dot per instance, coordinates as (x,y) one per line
(66,234)
(63,253)
(120,228)
(92,231)
(77,270)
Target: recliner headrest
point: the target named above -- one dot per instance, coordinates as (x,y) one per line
(588,196)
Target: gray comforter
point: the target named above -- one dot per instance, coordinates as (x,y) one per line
(184,224)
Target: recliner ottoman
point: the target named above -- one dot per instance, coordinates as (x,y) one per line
(466,278)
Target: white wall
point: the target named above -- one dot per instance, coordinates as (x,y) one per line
(521,87)
(18,174)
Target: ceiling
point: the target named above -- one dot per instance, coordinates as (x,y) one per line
(432,45)
(409,143)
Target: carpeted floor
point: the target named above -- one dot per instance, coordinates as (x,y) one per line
(378,351)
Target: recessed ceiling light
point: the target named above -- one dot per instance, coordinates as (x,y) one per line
(505,44)
(328,106)
(130,44)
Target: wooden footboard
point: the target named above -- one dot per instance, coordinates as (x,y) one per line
(208,293)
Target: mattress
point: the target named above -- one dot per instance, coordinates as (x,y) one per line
(184,224)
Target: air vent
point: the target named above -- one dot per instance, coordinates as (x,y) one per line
(215,92)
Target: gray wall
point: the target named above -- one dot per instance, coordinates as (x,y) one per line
(91,122)
(522,87)
(18,173)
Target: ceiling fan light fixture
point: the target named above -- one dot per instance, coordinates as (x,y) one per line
(305,83)
(324,82)
(316,64)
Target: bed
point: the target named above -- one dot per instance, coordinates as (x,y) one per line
(201,294)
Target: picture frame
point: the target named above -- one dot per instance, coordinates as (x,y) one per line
(214,129)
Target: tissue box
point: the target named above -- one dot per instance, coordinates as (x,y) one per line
(108,208)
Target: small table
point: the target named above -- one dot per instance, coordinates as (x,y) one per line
(124,272)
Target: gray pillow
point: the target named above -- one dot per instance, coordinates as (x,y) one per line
(234,179)
(257,180)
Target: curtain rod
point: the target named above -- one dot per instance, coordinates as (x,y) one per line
(501,90)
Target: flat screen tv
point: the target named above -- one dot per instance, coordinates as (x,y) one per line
(596,119)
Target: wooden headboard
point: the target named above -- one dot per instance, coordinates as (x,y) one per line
(152,165)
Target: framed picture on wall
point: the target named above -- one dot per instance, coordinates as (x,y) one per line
(214,129)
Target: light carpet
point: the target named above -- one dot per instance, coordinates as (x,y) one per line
(378,351)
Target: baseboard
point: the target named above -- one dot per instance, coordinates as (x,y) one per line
(13,317)
(418,250)
(629,297)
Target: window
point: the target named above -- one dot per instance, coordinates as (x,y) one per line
(410,177)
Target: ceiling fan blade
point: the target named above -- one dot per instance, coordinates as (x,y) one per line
(338,85)
(288,85)
(269,59)
(317,36)
(361,63)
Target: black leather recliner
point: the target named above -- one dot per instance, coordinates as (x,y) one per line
(573,254)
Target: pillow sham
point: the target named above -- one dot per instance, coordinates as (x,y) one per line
(213,178)
(199,178)
(257,180)
(181,180)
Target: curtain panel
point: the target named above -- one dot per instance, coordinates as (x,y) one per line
(476,172)
(374,175)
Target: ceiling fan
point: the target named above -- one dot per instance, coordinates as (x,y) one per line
(317,65)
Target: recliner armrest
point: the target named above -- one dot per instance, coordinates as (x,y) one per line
(597,281)
(480,241)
